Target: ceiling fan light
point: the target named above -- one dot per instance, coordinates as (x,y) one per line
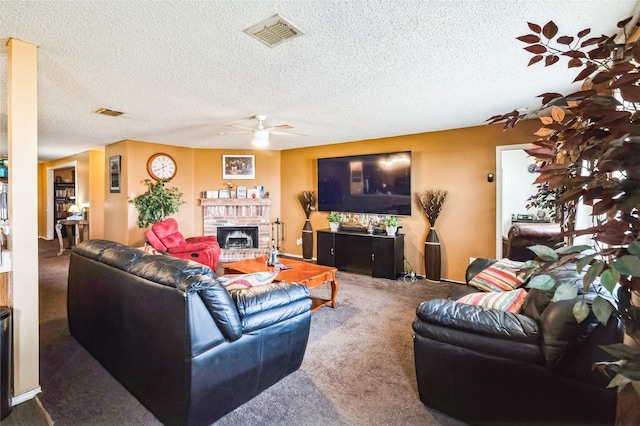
(260,138)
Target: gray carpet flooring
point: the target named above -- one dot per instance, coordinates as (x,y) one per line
(358,368)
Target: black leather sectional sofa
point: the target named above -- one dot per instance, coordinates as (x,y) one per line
(188,349)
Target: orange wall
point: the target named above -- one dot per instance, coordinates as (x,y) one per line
(455,160)
(197,170)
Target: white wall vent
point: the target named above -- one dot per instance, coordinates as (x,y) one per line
(273,31)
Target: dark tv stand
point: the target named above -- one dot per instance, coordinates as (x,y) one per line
(380,256)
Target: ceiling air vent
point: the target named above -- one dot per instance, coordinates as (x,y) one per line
(110,112)
(273,31)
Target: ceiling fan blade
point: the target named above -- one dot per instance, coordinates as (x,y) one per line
(249,129)
(280,127)
(288,133)
(232,132)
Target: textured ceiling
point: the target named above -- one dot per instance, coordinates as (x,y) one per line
(182,70)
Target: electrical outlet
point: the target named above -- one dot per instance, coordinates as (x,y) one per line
(471,259)
(299,241)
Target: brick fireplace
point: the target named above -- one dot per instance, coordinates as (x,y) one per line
(245,218)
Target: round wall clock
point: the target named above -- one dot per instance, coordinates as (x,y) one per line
(161,166)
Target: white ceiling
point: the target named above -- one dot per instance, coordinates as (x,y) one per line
(182,70)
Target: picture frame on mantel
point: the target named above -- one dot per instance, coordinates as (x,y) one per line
(115,176)
(237,166)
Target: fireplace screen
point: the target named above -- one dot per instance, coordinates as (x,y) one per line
(237,237)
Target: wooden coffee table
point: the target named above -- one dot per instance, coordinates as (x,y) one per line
(308,274)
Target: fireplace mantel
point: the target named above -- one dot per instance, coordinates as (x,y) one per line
(224,212)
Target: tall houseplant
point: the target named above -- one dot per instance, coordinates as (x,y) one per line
(588,148)
(157,203)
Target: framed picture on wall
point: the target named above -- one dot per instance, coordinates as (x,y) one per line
(238,166)
(115,177)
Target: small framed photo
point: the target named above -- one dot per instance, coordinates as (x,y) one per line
(224,193)
(238,167)
(253,193)
(115,176)
(242,191)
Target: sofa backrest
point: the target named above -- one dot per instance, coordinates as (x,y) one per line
(185,275)
(167,232)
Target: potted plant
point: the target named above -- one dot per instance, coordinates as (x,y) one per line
(157,203)
(588,151)
(391,224)
(334,220)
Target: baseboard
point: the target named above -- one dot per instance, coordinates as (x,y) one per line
(446,280)
(18,399)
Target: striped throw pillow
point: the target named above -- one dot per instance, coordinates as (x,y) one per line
(509,301)
(501,276)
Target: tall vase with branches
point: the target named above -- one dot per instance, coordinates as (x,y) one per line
(308,203)
(431,202)
(587,147)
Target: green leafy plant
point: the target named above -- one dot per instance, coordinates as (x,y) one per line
(334,217)
(588,150)
(158,203)
(392,221)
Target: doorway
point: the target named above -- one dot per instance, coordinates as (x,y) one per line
(514,185)
(61,194)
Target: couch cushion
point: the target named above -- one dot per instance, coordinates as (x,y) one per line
(536,302)
(93,249)
(501,276)
(168,270)
(509,301)
(242,281)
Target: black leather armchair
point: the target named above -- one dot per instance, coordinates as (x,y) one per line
(523,235)
(485,366)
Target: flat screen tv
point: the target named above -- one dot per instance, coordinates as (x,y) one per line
(372,183)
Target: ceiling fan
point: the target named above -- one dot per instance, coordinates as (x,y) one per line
(260,133)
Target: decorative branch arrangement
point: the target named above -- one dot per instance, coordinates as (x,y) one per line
(307,201)
(431,202)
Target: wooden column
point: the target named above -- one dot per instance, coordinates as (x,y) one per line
(22,126)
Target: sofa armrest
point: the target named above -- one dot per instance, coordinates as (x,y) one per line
(186,248)
(477,266)
(207,239)
(262,306)
(484,330)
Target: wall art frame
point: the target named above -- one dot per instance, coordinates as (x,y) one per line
(115,174)
(238,166)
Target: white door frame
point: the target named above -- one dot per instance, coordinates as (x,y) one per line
(499,151)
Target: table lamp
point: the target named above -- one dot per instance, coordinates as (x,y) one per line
(75,212)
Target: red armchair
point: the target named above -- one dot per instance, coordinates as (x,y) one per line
(165,236)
